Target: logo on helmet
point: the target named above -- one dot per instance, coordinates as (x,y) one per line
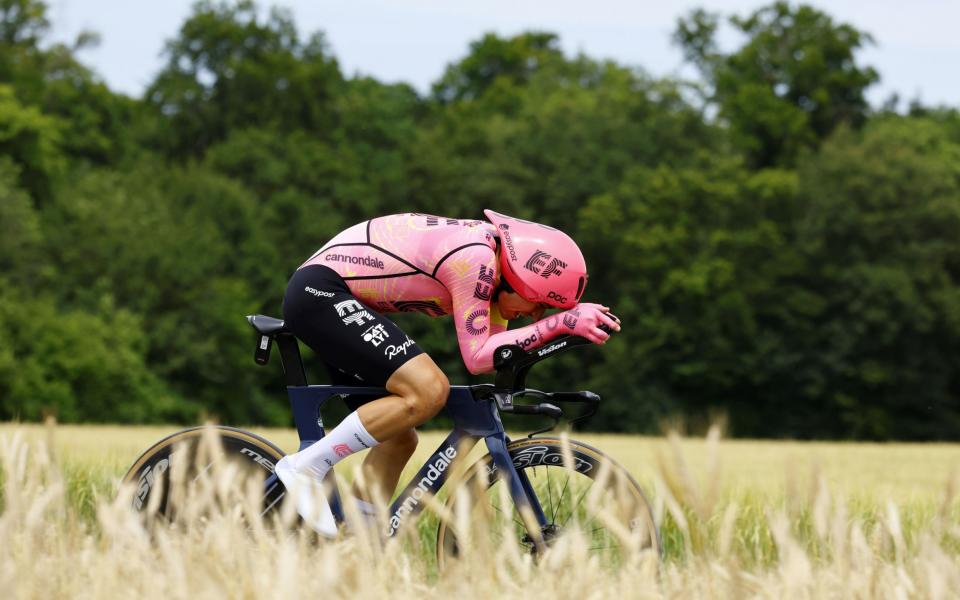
(508,242)
(544,264)
(557,297)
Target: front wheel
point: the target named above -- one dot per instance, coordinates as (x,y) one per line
(576,485)
(151,473)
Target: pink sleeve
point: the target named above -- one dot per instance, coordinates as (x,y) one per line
(468,276)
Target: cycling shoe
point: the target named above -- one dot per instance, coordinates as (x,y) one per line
(312,504)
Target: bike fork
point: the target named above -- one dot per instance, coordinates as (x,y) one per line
(521,490)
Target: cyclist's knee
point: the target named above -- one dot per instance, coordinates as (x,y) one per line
(428,397)
(435,393)
(423,387)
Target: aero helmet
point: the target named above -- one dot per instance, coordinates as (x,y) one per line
(540,263)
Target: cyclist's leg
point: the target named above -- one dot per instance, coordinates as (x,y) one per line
(419,390)
(383,465)
(320,310)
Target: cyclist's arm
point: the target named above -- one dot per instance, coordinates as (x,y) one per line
(468,276)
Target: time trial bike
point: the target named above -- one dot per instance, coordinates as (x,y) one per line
(553,483)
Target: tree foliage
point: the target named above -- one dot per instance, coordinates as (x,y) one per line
(792,82)
(777,251)
(229,68)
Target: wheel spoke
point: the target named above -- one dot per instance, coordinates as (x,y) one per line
(562,494)
(589,522)
(515,520)
(596,529)
(549,492)
(272,504)
(574,507)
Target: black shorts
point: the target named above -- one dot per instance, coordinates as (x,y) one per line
(351,338)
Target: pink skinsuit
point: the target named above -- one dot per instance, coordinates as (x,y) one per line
(437,266)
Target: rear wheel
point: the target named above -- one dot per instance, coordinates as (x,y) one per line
(151,473)
(577,486)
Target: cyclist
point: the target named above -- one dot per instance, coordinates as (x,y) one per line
(482,273)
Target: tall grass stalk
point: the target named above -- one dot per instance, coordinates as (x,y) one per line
(812,544)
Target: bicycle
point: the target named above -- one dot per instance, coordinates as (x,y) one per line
(540,513)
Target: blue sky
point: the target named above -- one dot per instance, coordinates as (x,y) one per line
(917,51)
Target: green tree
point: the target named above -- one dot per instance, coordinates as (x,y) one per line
(229,69)
(882,228)
(494,62)
(776,253)
(540,143)
(792,82)
(22,21)
(700,273)
(77,365)
(97,124)
(21,236)
(94,122)
(31,140)
(357,171)
(182,249)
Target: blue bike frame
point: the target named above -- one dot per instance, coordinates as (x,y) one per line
(474,418)
(474,410)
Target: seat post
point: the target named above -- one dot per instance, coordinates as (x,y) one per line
(291,360)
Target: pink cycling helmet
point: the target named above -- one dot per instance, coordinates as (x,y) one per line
(540,263)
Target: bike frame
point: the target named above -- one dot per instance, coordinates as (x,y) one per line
(473,418)
(475,411)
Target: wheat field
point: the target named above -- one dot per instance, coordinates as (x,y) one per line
(739,519)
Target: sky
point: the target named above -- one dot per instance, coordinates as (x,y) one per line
(917,50)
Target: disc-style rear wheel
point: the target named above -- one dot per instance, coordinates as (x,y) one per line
(578,488)
(189,450)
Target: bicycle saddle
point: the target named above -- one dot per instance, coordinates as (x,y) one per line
(266,325)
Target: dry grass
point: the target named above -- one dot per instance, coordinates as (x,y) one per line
(740,519)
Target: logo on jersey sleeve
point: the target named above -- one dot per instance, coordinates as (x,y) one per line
(476,323)
(352,312)
(484,284)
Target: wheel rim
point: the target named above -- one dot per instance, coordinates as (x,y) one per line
(151,473)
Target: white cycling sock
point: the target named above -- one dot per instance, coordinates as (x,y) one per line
(346,438)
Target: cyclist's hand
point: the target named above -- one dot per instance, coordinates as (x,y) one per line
(586,320)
